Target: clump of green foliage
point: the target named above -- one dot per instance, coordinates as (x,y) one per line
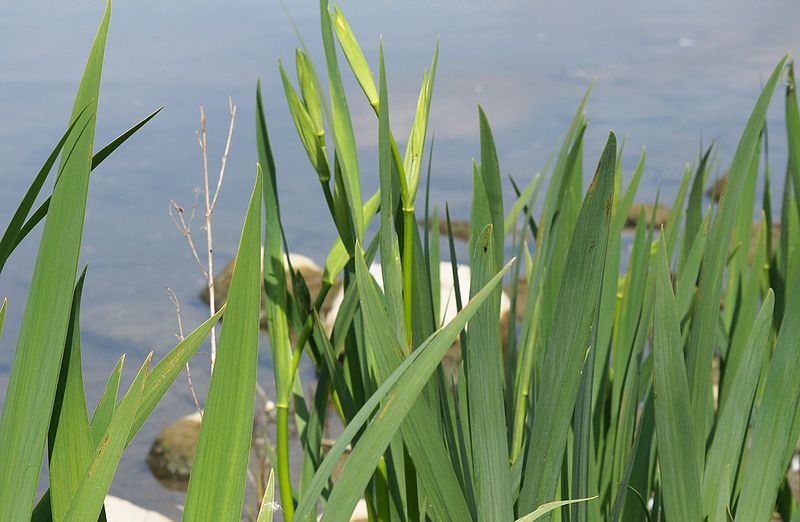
(669,391)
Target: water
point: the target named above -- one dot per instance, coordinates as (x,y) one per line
(667,77)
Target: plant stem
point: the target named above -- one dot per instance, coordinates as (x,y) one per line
(408,251)
(282,449)
(308,327)
(282,411)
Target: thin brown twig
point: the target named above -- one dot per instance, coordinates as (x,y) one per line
(210,204)
(177,304)
(186,228)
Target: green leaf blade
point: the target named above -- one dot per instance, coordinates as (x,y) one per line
(71,442)
(32,385)
(678,461)
(223,448)
(400,382)
(569,337)
(87,503)
(702,332)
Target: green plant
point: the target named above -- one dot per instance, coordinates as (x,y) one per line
(590,400)
(44,402)
(668,391)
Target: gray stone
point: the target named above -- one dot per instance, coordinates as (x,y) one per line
(661,214)
(311,272)
(172,453)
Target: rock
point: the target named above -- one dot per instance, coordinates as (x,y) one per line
(447,306)
(172,453)
(522,295)
(447,300)
(360,512)
(461,228)
(327,444)
(662,214)
(120,510)
(715,191)
(311,272)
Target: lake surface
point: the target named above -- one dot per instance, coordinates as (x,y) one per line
(668,76)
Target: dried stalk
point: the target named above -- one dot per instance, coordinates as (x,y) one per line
(177,213)
(177,303)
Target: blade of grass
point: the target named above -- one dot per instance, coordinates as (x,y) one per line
(104,410)
(106,151)
(342,127)
(730,433)
(70,437)
(415,148)
(747,310)
(309,88)
(687,277)
(372,444)
(43,330)
(306,129)
(3,314)
(423,441)
(411,170)
(87,503)
(268,503)
(608,294)
(524,197)
(775,430)
(742,235)
(338,256)
(159,379)
(163,374)
(544,509)
(11,235)
(391,268)
(674,218)
(700,347)
(354,55)
(405,384)
(678,462)
(694,208)
(274,284)
(223,448)
(484,380)
(97,159)
(793,132)
(569,338)
(490,174)
(583,463)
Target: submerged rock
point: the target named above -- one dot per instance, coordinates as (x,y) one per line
(172,453)
(661,214)
(461,228)
(715,191)
(360,513)
(309,270)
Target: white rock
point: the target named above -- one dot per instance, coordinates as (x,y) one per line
(120,510)
(300,262)
(360,513)
(447,298)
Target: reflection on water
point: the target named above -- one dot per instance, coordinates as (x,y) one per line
(667,77)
